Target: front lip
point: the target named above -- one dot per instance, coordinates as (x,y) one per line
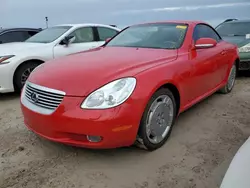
(70,124)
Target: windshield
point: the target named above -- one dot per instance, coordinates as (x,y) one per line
(162,36)
(49,35)
(234,28)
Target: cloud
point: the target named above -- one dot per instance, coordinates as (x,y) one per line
(184,8)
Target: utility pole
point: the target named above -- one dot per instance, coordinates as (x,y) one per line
(47,22)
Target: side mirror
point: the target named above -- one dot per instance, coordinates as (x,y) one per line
(107,40)
(205,43)
(67,40)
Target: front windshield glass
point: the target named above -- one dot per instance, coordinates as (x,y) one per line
(234,29)
(162,36)
(49,35)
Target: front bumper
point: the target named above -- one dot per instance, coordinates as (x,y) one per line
(70,124)
(244,61)
(6,78)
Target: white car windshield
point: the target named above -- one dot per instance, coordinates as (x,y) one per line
(49,35)
(160,35)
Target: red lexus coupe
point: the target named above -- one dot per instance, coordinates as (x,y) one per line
(130,89)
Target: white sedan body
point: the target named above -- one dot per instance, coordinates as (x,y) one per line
(238,173)
(21,52)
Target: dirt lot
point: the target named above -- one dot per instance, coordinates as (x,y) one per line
(198,153)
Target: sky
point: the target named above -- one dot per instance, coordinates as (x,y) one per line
(31,13)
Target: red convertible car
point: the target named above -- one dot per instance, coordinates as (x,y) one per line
(130,89)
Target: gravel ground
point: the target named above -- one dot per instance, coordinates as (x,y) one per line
(202,144)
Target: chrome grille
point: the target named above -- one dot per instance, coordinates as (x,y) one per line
(43,97)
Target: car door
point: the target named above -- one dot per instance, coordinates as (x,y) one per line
(103,33)
(221,60)
(205,71)
(83,39)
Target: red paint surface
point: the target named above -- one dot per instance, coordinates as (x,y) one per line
(196,73)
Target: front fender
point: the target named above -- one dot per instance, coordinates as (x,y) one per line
(148,82)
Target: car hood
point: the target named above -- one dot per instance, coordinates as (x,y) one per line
(82,73)
(238,40)
(15,48)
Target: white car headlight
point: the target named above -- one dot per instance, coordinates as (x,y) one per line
(4,59)
(110,95)
(245,49)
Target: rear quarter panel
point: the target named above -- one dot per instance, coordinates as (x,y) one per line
(231,56)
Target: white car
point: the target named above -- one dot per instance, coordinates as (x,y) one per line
(238,173)
(18,59)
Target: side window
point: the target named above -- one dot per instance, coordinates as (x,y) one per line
(204,31)
(2,39)
(25,35)
(31,33)
(105,33)
(28,34)
(13,36)
(84,34)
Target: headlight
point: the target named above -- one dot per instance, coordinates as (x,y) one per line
(3,59)
(245,48)
(110,95)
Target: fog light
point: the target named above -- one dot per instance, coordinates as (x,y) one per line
(94,138)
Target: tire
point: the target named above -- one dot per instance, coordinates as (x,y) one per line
(231,81)
(143,137)
(24,69)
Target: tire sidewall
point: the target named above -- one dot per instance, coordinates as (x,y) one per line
(142,129)
(225,89)
(229,90)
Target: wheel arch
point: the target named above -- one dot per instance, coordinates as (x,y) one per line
(165,85)
(237,61)
(25,62)
(173,88)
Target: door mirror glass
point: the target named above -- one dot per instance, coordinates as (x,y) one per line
(205,43)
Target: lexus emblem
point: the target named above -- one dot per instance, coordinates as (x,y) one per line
(34,97)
